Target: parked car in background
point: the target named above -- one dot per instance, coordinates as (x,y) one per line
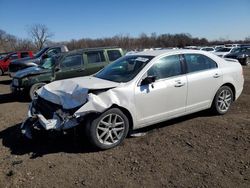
(136,91)
(72,64)
(5,62)
(242,54)
(218,47)
(207,48)
(36,60)
(221,52)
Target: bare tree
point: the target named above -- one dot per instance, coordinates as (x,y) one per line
(40,34)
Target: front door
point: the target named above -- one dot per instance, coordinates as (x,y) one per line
(71,66)
(166,97)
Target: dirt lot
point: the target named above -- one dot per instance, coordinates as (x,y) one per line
(198,150)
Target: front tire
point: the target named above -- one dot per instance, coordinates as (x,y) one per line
(34,88)
(1,72)
(107,130)
(222,100)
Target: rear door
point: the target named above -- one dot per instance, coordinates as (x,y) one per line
(95,61)
(70,66)
(114,54)
(204,79)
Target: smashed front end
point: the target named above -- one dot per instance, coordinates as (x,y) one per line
(45,115)
(64,104)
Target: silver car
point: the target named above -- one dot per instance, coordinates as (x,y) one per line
(136,91)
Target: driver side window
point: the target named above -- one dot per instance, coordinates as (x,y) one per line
(73,61)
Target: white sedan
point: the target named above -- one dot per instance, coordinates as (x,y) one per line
(136,91)
(221,52)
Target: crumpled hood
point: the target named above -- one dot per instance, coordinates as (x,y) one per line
(30,71)
(71,93)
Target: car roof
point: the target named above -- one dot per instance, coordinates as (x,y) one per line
(80,51)
(169,51)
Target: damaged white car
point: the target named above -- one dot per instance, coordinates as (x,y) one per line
(136,91)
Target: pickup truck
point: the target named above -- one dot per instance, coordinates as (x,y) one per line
(36,60)
(75,63)
(5,61)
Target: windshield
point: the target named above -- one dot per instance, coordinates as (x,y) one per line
(48,63)
(124,69)
(38,54)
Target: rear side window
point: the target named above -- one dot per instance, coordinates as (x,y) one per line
(114,54)
(24,54)
(166,67)
(199,62)
(73,61)
(95,57)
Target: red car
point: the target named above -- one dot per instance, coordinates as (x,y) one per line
(4,63)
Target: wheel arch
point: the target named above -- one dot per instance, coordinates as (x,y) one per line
(127,113)
(231,86)
(124,110)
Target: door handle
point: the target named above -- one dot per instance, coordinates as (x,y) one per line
(216,75)
(179,84)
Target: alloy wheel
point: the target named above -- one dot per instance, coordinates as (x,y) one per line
(224,100)
(110,129)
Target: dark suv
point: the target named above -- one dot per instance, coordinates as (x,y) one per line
(242,54)
(36,60)
(67,65)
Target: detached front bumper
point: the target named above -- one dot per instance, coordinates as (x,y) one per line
(39,122)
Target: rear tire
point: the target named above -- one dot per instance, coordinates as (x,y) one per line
(107,130)
(34,88)
(1,72)
(222,100)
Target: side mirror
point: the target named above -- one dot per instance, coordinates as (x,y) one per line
(148,80)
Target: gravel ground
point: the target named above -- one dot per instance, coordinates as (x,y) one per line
(198,150)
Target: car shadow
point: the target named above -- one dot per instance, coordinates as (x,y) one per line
(43,144)
(9,97)
(73,142)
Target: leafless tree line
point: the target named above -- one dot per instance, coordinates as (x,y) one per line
(148,41)
(40,36)
(11,43)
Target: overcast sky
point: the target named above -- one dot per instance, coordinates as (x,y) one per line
(75,19)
